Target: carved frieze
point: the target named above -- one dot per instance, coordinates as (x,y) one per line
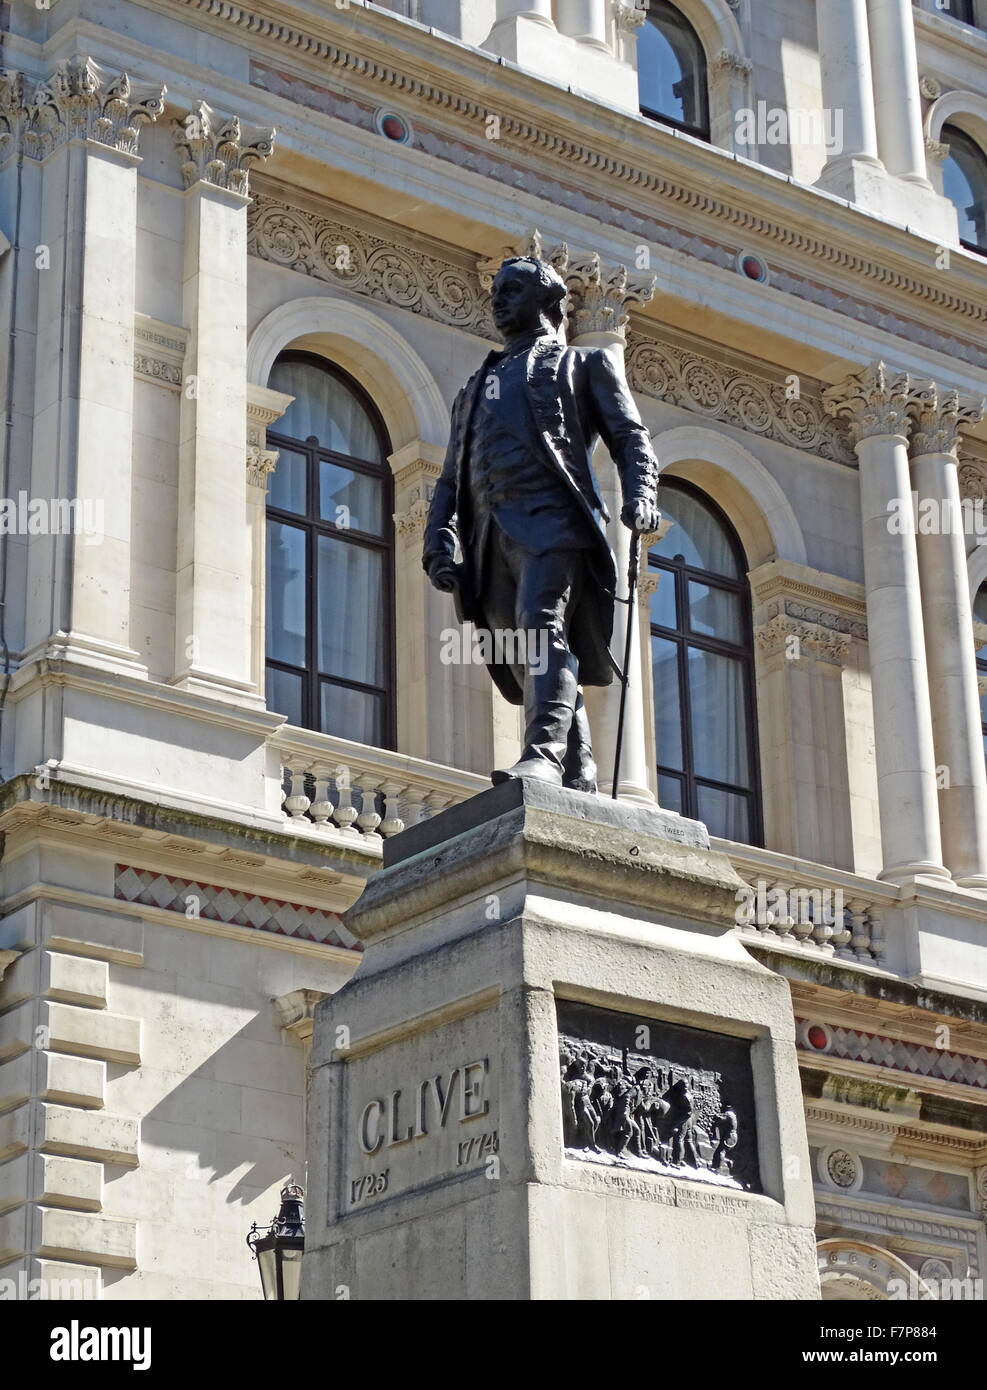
(357,260)
(656,1097)
(738,398)
(784,633)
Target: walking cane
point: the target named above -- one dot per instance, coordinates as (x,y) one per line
(630,600)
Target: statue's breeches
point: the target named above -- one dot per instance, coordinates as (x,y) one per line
(532,598)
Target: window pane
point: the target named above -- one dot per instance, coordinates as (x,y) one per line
(284,694)
(324,406)
(287,487)
(715,613)
(670,793)
(725,813)
(663,606)
(696,534)
(286,593)
(352,714)
(351,611)
(719,732)
(361,496)
(964,178)
(671,68)
(668,717)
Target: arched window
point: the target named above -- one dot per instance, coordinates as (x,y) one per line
(671,68)
(702,662)
(980,616)
(964,182)
(329,557)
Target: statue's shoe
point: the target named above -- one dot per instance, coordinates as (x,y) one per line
(535,768)
(582,781)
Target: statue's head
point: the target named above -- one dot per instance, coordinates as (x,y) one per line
(527,295)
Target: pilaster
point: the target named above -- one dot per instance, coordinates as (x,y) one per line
(264,406)
(81,126)
(213,617)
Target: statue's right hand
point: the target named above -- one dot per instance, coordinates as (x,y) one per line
(443,574)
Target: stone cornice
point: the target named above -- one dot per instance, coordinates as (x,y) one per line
(808,595)
(399,58)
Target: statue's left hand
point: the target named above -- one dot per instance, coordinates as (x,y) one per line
(641,516)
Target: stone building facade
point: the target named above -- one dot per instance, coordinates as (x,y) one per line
(245,253)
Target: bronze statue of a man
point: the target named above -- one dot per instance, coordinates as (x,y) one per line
(517,492)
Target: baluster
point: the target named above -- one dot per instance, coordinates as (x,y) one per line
(296,803)
(369,818)
(860,938)
(392,824)
(877,942)
(435,802)
(414,805)
(752,924)
(842,936)
(346,812)
(780,915)
(830,913)
(321,807)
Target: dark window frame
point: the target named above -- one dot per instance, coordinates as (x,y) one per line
(948,135)
(681,574)
(313,527)
(700,130)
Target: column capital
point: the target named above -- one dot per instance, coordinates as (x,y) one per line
(81,100)
(875,401)
(825,644)
(599,295)
(725,61)
(264,406)
(938,415)
(630,14)
(217,149)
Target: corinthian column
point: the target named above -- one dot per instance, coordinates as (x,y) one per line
(897,101)
(598,302)
(847,84)
(948,617)
(213,609)
(876,403)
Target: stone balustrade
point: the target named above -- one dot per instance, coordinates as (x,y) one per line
(332,786)
(809,907)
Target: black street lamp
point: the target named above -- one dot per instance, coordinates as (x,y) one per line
(278,1248)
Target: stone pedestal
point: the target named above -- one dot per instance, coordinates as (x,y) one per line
(536,958)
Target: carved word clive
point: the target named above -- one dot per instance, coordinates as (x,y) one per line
(400,1118)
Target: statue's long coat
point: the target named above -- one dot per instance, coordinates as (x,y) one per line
(573,397)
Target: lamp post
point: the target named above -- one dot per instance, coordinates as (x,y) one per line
(278,1248)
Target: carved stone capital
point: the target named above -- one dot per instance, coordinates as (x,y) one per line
(264,406)
(411,522)
(11,108)
(783,633)
(261,463)
(630,14)
(296,1011)
(938,416)
(218,149)
(936,149)
(84,101)
(875,401)
(599,295)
